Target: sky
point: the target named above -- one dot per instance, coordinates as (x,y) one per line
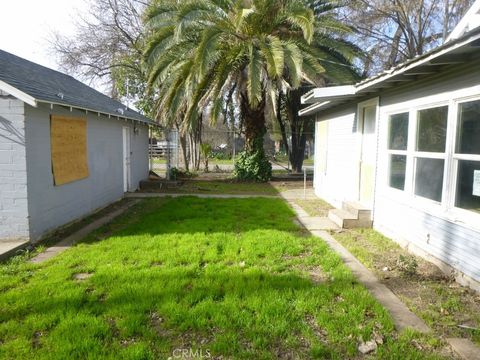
(26,25)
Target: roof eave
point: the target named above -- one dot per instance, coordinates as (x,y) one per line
(328,93)
(18,94)
(312,109)
(110,114)
(404,70)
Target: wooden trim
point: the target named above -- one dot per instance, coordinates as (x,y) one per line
(18,94)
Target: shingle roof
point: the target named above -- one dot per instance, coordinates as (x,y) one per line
(53,87)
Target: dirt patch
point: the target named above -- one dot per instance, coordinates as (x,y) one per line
(450,309)
(317,276)
(157,323)
(127,342)
(37,339)
(113,327)
(320,333)
(82,276)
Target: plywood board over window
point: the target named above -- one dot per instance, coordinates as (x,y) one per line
(69,149)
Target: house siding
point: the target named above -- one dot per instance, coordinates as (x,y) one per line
(52,206)
(430,230)
(13,170)
(427,227)
(338,181)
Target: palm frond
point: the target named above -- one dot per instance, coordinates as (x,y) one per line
(254,82)
(273,52)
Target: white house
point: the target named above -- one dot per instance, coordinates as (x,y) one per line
(65,150)
(404,147)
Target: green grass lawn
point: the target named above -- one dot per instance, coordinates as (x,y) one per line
(228,277)
(222,187)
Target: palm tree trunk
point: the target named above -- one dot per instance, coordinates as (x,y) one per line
(254,122)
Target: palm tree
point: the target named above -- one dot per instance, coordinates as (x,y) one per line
(200,51)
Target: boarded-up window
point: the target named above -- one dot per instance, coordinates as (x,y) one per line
(69,149)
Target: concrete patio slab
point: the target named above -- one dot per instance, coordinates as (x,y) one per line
(9,248)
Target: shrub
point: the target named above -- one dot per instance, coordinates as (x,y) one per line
(176,174)
(253,166)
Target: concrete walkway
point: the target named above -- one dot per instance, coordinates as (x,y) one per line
(79,235)
(299,194)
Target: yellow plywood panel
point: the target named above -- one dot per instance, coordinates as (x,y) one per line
(69,149)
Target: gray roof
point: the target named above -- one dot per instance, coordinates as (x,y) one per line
(45,85)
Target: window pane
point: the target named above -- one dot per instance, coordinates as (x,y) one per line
(432,129)
(468,185)
(429,178)
(398,137)
(468,133)
(398,165)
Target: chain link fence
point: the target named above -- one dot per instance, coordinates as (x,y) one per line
(165,150)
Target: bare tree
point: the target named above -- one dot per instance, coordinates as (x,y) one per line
(107,47)
(395,30)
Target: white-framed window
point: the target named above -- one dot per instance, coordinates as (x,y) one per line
(430,152)
(397,149)
(433,156)
(466,157)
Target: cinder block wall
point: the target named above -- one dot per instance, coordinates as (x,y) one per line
(14,224)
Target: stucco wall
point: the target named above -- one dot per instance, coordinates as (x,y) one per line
(51,206)
(13,170)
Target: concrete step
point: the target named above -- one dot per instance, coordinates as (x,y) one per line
(343,218)
(360,211)
(347,220)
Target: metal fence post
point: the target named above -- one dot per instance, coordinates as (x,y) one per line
(167,175)
(304,183)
